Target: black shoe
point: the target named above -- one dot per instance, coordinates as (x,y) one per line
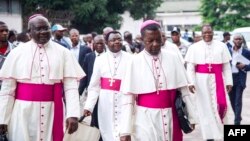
(210,140)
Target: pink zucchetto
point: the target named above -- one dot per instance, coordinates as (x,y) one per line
(35,15)
(149,22)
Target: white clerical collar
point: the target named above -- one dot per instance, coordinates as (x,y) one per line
(154,56)
(208,43)
(117,54)
(41,45)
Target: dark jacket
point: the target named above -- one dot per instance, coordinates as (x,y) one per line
(82,53)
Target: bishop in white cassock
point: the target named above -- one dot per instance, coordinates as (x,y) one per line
(150,85)
(105,82)
(208,66)
(31,97)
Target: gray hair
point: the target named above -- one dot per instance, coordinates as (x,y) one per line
(238,35)
(107,29)
(39,17)
(73,30)
(97,37)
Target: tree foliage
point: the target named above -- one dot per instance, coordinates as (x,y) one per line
(94,15)
(226,14)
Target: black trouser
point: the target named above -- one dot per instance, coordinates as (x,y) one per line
(94,121)
(236,102)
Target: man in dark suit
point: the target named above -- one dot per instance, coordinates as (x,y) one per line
(239,69)
(99,47)
(78,50)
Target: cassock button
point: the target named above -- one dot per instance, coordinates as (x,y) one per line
(42,115)
(166,124)
(42,123)
(41,67)
(42,75)
(41,60)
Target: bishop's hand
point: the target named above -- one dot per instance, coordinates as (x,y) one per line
(71,124)
(86,113)
(3,128)
(125,138)
(229,88)
(191,88)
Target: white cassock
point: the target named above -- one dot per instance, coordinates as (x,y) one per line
(28,63)
(149,122)
(215,53)
(107,66)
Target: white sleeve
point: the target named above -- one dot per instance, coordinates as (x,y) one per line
(191,73)
(190,102)
(7,99)
(72,97)
(127,114)
(94,87)
(227,73)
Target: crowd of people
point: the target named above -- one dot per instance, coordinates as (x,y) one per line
(130,84)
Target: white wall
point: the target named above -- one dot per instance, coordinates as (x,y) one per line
(129,24)
(13,21)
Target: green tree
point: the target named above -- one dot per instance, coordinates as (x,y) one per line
(94,15)
(226,14)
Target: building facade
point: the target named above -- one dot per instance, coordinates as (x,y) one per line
(181,13)
(10,13)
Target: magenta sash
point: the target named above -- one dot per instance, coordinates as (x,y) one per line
(41,93)
(216,69)
(165,99)
(108,85)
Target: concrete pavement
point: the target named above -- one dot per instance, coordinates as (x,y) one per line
(196,134)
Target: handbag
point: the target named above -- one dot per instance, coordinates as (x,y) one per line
(181,110)
(84,132)
(3,137)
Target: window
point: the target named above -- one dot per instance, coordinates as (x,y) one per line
(10,6)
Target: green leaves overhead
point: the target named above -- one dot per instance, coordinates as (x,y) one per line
(226,14)
(94,15)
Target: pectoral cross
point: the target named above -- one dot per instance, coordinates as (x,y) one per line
(209,67)
(111,81)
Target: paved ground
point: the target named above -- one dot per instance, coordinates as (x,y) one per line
(196,135)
